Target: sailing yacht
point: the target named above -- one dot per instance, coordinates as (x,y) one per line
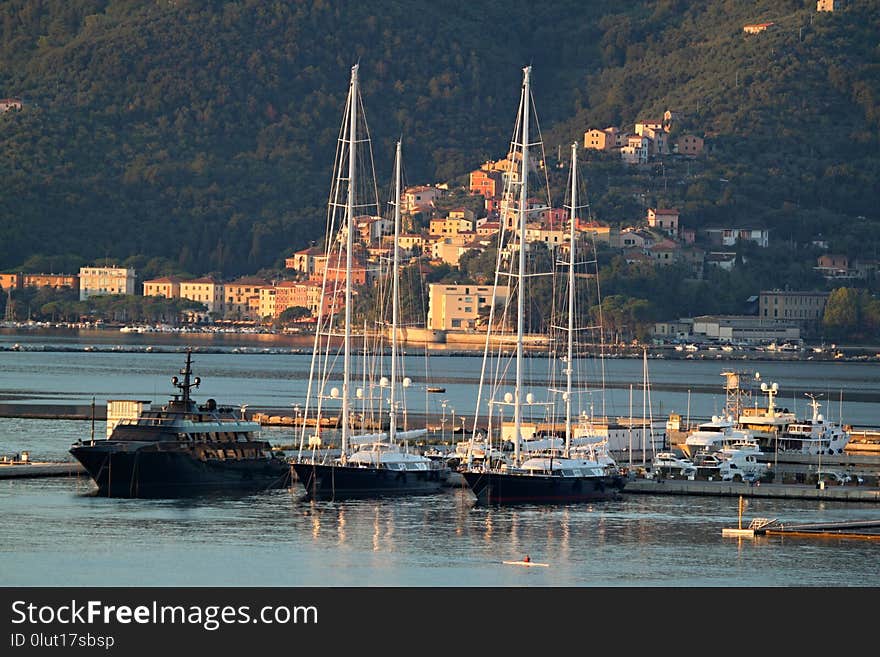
(368,464)
(552,475)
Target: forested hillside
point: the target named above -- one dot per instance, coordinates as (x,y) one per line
(199,135)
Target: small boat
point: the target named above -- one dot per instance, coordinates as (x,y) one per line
(436,389)
(671,464)
(527,563)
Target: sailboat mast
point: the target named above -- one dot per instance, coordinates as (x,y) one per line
(644,401)
(521,297)
(392,427)
(349,230)
(571,309)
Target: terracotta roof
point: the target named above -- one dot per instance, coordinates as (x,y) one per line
(163,280)
(249,280)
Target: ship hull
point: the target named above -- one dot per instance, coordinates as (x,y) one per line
(152,473)
(334,482)
(505,488)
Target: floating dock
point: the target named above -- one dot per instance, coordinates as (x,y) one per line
(41,469)
(864,529)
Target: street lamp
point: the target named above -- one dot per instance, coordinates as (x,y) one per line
(443,421)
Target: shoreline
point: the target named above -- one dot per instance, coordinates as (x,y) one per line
(471,344)
(652,353)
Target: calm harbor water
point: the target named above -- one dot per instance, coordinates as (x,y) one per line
(267,375)
(56,532)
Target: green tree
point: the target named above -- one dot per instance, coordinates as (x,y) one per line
(842,313)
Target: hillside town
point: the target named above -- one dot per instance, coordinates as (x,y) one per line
(444,224)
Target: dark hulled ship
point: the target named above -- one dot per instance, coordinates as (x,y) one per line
(544,480)
(374,470)
(182,448)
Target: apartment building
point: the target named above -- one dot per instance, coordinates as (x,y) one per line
(96,281)
(204,290)
(457,307)
(167,286)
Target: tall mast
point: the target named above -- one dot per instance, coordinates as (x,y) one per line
(521,297)
(571,309)
(392,426)
(349,230)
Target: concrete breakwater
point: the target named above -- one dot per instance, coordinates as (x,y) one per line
(736,489)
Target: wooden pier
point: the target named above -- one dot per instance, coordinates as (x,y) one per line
(864,529)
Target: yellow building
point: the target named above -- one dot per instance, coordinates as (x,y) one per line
(457,307)
(755,28)
(95,281)
(204,290)
(238,296)
(602,140)
(267,302)
(452,225)
(167,286)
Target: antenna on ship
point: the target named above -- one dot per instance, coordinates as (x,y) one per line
(185,385)
(93,421)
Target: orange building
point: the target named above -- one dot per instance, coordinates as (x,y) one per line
(293,294)
(486,183)
(55,281)
(603,140)
(11,281)
(238,296)
(304,260)
(335,266)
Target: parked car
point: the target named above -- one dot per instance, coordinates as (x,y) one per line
(832,477)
